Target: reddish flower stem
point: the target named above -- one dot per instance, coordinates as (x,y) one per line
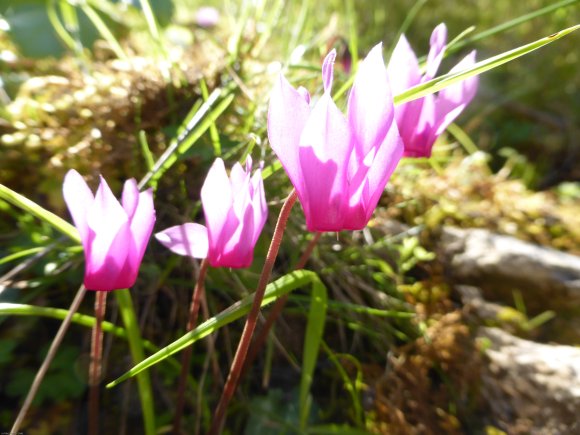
(96,362)
(186,356)
(278,306)
(243,345)
(48,359)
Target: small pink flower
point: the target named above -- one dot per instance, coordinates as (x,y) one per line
(235,213)
(339,165)
(114,236)
(423,120)
(207,16)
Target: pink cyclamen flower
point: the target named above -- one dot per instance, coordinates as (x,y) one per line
(423,120)
(114,236)
(235,213)
(339,165)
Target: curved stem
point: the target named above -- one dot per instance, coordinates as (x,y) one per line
(95,364)
(186,356)
(278,306)
(48,358)
(241,352)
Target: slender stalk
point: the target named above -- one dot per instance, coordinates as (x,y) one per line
(95,363)
(48,358)
(243,345)
(278,306)
(186,356)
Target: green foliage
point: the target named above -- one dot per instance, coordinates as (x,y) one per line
(60,382)
(141,91)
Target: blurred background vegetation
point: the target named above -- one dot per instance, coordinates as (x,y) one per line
(97,86)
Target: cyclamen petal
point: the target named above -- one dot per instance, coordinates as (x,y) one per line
(188,239)
(114,236)
(235,213)
(423,120)
(331,158)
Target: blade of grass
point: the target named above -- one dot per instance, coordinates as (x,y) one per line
(213,131)
(103,30)
(191,132)
(274,290)
(312,340)
(352,33)
(406,24)
(452,48)
(330,429)
(298,29)
(241,21)
(48,358)
(11,309)
(463,138)
(69,32)
(127,310)
(20,254)
(441,82)
(151,22)
(145,150)
(349,384)
(34,209)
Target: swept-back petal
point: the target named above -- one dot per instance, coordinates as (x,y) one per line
(452,100)
(328,70)
(437,43)
(370,104)
(287,115)
(78,198)
(189,239)
(106,217)
(217,199)
(403,68)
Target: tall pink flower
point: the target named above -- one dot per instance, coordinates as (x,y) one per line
(114,236)
(235,213)
(422,121)
(339,165)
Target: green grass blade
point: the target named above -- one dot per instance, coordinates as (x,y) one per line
(197,125)
(11,309)
(441,82)
(103,30)
(280,287)
(299,26)
(136,346)
(20,254)
(349,385)
(314,331)
(151,21)
(508,25)
(406,24)
(271,169)
(145,150)
(329,429)
(213,131)
(34,209)
(463,138)
(352,33)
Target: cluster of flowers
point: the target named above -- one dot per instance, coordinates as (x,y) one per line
(339,165)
